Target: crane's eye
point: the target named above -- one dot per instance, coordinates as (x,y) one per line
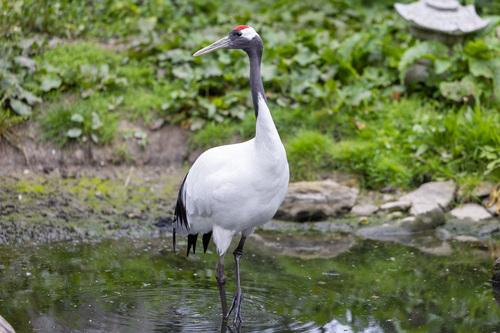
(238,33)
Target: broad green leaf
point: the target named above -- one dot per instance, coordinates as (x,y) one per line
(355,95)
(196,124)
(305,56)
(180,55)
(183,72)
(96,121)
(442,65)
(345,50)
(28,96)
(89,71)
(20,108)
(87,93)
(492,166)
(50,82)
(104,70)
(108,80)
(458,90)
(147,25)
(480,68)
(74,132)
(478,49)
(76,117)
(428,49)
(26,62)
(489,69)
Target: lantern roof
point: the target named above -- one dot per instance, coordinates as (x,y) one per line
(445,16)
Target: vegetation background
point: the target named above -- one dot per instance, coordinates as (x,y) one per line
(334,72)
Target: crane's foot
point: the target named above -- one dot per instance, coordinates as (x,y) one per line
(236,305)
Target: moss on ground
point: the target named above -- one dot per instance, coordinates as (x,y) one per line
(53,207)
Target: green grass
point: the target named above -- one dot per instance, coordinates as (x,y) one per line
(308,154)
(413,140)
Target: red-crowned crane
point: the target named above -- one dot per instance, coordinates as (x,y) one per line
(233,189)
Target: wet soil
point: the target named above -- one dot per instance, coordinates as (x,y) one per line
(132,201)
(102,202)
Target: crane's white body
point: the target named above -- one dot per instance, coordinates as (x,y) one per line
(235,188)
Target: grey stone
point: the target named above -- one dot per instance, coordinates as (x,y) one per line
(307,247)
(394,215)
(407,226)
(318,200)
(467,239)
(430,196)
(423,222)
(471,211)
(443,234)
(388,197)
(492,208)
(396,206)
(483,189)
(364,210)
(444,249)
(489,229)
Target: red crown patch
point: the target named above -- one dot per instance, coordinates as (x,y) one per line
(241,27)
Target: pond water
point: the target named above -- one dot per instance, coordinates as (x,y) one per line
(140,285)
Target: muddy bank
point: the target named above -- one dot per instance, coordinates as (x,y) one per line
(123,201)
(103,202)
(137,144)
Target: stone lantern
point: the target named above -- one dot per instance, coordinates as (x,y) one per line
(443,20)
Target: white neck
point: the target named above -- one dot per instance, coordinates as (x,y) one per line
(266,134)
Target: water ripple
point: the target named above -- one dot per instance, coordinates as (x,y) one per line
(170,309)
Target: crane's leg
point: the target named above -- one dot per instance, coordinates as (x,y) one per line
(221,282)
(238,295)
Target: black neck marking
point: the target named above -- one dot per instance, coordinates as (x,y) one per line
(256,85)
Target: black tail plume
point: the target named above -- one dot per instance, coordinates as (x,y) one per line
(192,241)
(206,240)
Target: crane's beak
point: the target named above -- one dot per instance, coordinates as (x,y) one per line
(220,44)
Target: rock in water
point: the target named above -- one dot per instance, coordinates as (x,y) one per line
(317,200)
(430,196)
(364,210)
(471,211)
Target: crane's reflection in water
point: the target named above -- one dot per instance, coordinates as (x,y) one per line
(141,286)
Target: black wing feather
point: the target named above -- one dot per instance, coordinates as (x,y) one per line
(180,215)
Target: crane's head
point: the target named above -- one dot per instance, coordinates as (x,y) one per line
(242,37)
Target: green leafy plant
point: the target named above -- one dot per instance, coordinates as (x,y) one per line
(15,67)
(79,121)
(461,73)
